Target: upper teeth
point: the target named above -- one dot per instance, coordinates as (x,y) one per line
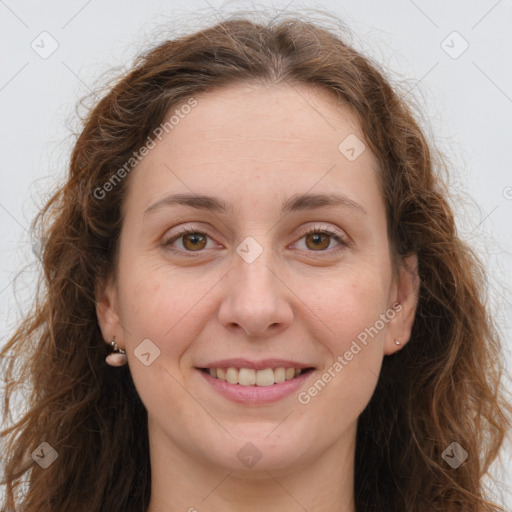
(251,377)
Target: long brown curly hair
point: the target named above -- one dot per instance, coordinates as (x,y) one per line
(443,387)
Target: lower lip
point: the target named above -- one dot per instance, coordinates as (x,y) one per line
(256,394)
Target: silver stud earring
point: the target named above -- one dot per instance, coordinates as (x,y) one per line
(397,342)
(118,355)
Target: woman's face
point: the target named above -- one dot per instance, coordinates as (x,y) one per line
(289,267)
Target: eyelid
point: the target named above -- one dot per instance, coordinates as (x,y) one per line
(342,239)
(181,231)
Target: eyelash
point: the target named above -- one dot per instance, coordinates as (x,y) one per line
(311,230)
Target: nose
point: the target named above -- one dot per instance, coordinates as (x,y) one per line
(257,299)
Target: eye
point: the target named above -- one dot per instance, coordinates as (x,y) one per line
(193,240)
(317,239)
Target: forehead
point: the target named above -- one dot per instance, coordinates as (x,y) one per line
(253,138)
(269,120)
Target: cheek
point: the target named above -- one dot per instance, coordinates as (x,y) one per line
(169,306)
(355,312)
(165,307)
(351,307)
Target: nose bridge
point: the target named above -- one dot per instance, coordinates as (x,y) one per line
(255,298)
(252,268)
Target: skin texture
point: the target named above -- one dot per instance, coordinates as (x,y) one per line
(254,147)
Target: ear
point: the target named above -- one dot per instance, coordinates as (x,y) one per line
(407,294)
(107,311)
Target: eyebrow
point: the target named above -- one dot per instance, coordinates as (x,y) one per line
(299,202)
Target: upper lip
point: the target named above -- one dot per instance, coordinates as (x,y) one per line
(256,365)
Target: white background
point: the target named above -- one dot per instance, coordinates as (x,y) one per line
(466,106)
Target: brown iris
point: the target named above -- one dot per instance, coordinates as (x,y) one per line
(195,237)
(316,239)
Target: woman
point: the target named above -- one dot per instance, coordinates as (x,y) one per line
(253,225)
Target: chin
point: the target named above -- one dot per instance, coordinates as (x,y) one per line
(253,449)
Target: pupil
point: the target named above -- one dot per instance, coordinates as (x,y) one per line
(194,238)
(316,238)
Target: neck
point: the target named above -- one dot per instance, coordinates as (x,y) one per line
(187,482)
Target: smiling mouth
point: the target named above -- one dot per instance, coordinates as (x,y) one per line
(251,377)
